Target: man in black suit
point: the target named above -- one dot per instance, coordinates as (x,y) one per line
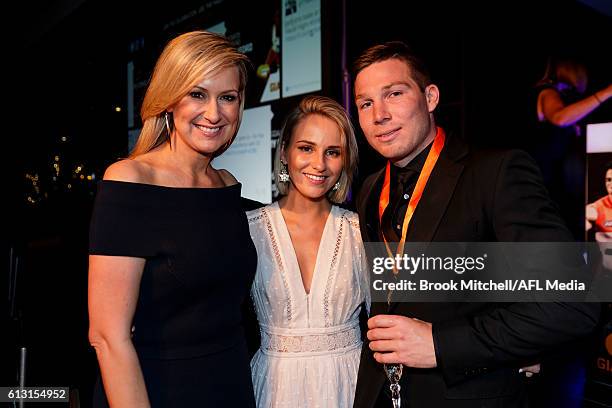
(459,354)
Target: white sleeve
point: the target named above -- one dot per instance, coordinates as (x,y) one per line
(361,262)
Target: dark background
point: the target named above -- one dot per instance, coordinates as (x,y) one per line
(67,74)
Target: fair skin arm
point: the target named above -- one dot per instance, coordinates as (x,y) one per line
(113,293)
(591,212)
(112,297)
(552,109)
(591,216)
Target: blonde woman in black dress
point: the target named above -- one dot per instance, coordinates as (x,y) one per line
(171,260)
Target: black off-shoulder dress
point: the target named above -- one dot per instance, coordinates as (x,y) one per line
(200,262)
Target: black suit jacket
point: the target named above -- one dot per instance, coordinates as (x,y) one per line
(475,196)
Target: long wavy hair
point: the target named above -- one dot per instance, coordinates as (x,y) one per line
(183,63)
(565,70)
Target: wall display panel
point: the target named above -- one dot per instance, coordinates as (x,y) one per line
(301,46)
(250,156)
(598,225)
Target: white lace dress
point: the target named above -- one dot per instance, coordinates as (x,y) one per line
(310,343)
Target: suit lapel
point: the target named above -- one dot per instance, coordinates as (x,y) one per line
(369,207)
(435,200)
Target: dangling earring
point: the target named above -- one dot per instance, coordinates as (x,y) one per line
(283,174)
(336,186)
(168,128)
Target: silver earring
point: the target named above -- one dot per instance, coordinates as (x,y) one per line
(168,127)
(336,186)
(167,123)
(283,174)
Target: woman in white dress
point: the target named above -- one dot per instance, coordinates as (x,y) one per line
(311,281)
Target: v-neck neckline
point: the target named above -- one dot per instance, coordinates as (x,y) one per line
(293,254)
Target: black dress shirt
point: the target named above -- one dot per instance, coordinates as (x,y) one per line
(403,180)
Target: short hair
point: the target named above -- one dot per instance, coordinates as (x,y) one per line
(608,166)
(395,50)
(326,107)
(184,62)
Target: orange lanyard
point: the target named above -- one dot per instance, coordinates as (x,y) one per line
(428,167)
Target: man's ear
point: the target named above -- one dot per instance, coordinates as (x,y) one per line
(432,95)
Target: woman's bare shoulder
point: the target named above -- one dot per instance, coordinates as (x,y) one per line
(129,170)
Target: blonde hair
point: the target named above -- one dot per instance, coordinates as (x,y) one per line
(183,63)
(321,105)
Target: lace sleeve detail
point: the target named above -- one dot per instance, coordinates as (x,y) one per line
(279,262)
(330,276)
(360,258)
(351,217)
(254,216)
(365,275)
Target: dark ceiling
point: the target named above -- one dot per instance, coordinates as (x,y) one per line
(39,19)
